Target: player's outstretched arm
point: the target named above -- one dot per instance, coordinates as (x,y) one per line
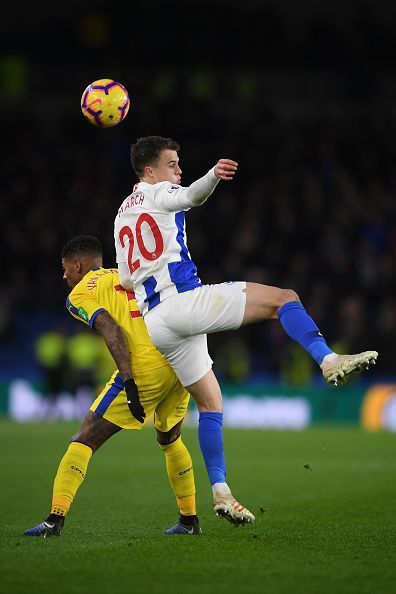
(176,198)
(118,347)
(201,189)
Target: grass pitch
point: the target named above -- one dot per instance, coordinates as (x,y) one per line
(324,499)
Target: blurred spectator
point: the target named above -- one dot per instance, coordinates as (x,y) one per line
(83,355)
(50,350)
(296,367)
(232,361)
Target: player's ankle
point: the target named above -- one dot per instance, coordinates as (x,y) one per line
(328,358)
(57,518)
(188,520)
(221,489)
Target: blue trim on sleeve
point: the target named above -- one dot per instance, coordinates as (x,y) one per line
(110,395)
(98,311)
(71,307)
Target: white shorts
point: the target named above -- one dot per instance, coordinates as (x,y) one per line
(178,325)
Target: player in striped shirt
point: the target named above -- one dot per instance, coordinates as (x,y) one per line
(179,310)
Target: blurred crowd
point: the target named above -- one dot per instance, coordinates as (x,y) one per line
(312,207)
(73,368)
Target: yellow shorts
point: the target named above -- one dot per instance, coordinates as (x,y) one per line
(160,393)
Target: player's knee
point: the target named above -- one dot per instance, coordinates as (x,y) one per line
(288,295)
(165,438)
(84,438)
(95,431)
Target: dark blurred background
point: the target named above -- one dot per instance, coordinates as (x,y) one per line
(302,95)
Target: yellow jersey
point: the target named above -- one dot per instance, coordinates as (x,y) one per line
(99,291)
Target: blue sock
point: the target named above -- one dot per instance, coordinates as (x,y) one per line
(301,328)
(211,442)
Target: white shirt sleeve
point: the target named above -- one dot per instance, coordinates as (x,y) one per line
(173,198)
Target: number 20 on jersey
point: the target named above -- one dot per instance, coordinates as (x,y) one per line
(127,232)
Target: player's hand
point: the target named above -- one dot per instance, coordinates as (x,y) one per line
(226,169)
(134,404)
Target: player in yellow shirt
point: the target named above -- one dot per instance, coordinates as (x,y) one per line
(143,384)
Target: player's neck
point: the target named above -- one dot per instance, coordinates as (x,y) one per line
(148,180)
(91,264)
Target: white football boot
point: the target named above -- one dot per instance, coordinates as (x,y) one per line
(226,506)
(338,370)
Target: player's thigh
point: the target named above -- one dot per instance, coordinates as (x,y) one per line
(173,406)
(111,405)
(154,386)
(188,357)
(264,301)
(206,309)
(215,308)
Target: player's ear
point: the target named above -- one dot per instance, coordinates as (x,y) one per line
(78,265)
(148,171)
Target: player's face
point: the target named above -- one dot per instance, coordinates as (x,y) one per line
(71,272)
(167,168)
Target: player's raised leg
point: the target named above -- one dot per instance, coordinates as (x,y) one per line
(207,395)
(180,472)
(266,302)
(72,470)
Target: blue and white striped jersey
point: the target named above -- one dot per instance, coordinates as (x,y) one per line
(151,242)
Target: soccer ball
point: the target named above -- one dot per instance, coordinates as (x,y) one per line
(105,102)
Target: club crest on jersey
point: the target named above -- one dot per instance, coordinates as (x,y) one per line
(173,188)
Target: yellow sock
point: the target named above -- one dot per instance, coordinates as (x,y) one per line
(181,476)
(187,505)
(70,475)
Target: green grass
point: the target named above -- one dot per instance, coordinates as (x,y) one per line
(330,529)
